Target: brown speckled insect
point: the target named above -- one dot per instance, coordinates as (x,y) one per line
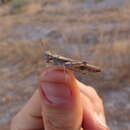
(74,65)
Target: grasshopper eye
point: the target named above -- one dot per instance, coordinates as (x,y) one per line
(47,58)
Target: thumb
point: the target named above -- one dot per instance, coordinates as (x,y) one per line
(61,105)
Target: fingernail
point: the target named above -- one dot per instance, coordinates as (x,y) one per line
(56,87)
(101,122)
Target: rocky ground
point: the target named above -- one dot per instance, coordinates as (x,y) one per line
(99,34)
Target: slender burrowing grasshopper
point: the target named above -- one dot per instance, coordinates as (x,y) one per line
(74,65)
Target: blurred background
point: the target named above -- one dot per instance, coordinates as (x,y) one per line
(97,31)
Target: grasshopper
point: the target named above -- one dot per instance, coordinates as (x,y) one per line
(71,64)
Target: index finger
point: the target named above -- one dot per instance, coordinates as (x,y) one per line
(30,116)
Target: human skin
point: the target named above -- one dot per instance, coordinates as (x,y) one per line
(61,102)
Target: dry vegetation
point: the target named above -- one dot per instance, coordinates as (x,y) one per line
(99,36)
(112,58)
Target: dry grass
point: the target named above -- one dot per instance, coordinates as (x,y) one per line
(26,56)
(112,58)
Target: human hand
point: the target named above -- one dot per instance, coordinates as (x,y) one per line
(61,103)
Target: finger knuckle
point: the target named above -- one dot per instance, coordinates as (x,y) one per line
(58,125)
(92,90)
(13,122)
(97,97)
(100,101)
